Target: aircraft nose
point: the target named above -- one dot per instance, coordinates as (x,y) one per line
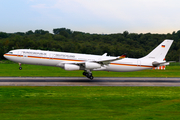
(5,56)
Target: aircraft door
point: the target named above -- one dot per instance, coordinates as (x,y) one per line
(138,63)
(51,56)
(20,54)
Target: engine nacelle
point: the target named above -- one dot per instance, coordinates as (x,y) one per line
(92,65)
(71,67)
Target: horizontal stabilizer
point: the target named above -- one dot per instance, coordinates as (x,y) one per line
(156,64)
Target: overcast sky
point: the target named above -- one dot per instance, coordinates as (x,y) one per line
(91,16)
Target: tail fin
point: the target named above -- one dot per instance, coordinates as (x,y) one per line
(160,51)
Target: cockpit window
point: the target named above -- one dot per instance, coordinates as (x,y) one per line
(10,52)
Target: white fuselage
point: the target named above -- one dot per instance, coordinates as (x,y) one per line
(50,58)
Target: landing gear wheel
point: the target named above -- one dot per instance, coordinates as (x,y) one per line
(88,75)
(84,73)
(20,68)
(91,77)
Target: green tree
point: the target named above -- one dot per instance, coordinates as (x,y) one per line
(3,35)
(30,32)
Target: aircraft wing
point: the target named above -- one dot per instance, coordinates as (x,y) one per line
(101,62)
(105,62)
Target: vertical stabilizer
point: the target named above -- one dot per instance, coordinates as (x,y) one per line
(160,51)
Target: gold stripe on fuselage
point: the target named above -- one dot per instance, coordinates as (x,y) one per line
(36,57)
(131,65)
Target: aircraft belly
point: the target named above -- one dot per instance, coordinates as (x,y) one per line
(14,59)
(123,68)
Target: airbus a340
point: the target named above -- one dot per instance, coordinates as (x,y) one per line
(89,63)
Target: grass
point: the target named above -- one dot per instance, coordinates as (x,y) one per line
(10,69)
(79,103)
(106,103)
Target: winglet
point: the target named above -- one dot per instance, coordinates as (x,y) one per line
(123,56)
(105,54)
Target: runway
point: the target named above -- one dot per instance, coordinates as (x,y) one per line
(83,81)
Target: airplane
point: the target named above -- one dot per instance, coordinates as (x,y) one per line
(88,62)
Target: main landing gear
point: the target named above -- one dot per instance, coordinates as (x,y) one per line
(20,68)
(88,74)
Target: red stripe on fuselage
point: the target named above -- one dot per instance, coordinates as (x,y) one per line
(76,60)
(37,57)
(131,65)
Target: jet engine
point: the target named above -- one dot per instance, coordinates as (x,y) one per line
(92,65)
(71,67)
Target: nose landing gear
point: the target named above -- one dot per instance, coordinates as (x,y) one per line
(20,68)
(88,74)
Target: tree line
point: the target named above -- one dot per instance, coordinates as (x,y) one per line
(65,40)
